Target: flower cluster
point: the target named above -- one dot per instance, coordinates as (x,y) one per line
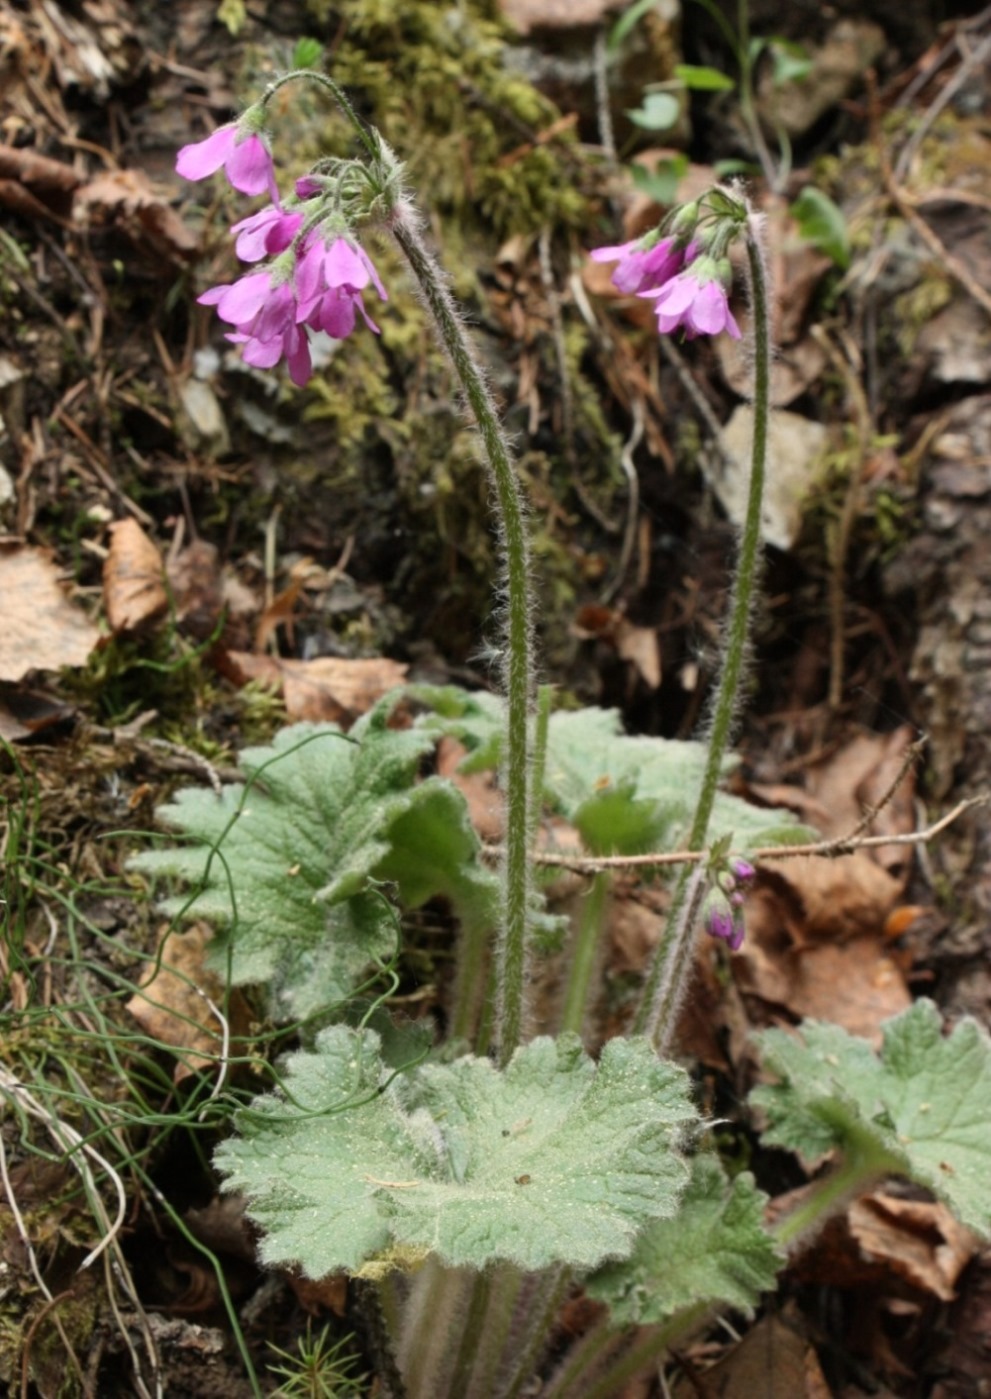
(686,274)
(724,913)
(314,271)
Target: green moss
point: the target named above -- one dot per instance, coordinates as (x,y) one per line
(472,134)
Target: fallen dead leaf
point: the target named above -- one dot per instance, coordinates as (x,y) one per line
(820,957)
(918,1240)
(25,713)
(638,645)
(42,629)
(479,790)
(126,197)
(773,1360)
(329,689)
(134,593)
(173,1005)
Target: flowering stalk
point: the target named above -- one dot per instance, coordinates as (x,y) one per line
(670,972)
(511,952)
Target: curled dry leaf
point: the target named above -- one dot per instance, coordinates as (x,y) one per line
(133,579)
(919,1240)
(42,629)
(126,198)
(174,1003)
(327,689)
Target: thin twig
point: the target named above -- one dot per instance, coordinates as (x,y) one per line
(830,849)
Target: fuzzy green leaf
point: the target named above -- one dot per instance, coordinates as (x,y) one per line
(288,864)
(923,1106)
(554,1160)
(624,794)
(715,1251)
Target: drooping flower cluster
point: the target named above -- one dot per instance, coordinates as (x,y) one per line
(686,273)
(314,270)
(723,918)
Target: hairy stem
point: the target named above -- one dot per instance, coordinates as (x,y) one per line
(365,133)
(511,952)
(671,969)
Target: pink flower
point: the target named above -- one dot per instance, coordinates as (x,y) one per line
(244,155)
(643,269)
(728,927)
(263,312)
(265,234)
(271,309)
(330,278)
(695,300)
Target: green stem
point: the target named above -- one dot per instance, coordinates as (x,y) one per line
(472,1333)
(432,1320)
(668,978)
(494,1331)
(470,981)
(650,1345)
(545,694)
(366,134)
(543,1309)
(582,1359)
(511,950)
(853,1175)
(584,952)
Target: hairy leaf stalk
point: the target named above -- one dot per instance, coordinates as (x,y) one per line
(670,973)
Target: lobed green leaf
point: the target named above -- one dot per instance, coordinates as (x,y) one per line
(922,1107)
(556,1159)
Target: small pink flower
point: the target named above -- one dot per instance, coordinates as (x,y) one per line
(695,300)
(643,269)
(265,234)
(244,155)
(728,927)
(330,278)
(263,312)
(271,309)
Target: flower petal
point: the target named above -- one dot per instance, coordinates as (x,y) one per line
(241,303)
(342,267)
(202,158)
(249,167)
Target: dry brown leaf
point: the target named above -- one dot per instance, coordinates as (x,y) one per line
(526,15)
(127,198)
(772,1361)
(918,1240)
(42,629)
(638,645)
(173,1003)
(479,790)
(281,611)
(815,944)
(328,689)
(25,713)
(133,579)
(856,779)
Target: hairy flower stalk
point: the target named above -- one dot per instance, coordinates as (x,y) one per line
(511,952)
(671,969)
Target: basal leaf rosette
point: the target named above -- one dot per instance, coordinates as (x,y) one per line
(555,1159)
(714,1252)
(922,1108)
